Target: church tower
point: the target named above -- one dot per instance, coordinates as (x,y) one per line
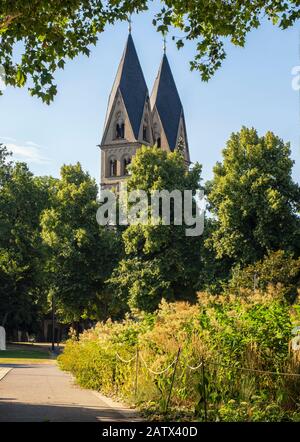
(133,120)
(128,122)
(169,130)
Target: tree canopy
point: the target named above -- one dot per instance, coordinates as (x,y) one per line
(81,254)
(279,269)
(161,261)
(254,198)
(22,256)
(51,244)
(51,32)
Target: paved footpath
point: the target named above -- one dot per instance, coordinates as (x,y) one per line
(43,393)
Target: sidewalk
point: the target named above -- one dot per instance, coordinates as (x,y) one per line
(4,372)
(43,393)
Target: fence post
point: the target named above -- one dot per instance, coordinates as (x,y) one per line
(204,390)
(136,372)
(116,376)
(113,377)
(173,379)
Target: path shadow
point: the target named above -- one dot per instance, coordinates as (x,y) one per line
(21,412)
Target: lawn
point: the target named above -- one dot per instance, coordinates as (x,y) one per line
(25,354)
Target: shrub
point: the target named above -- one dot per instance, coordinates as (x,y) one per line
(277,268)
(243,343)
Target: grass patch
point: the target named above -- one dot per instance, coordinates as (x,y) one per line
(16,354)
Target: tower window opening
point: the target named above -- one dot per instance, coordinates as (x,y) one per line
(120,131)
(113,168)
(156,133)
(120,127)
(126,163)
(145,133)
(146,129)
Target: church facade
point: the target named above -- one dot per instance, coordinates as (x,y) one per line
(134,118)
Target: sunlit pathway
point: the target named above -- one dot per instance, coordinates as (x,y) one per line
(43,393)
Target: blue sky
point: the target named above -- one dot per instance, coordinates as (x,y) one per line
(252,88)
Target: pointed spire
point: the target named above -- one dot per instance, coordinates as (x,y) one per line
(130,24)
(166,100)
(131,83)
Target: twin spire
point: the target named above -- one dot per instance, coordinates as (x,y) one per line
(162,115)
(130,86)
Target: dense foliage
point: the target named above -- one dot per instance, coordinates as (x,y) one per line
(81,254)
(161,260)
(22,255)
(243,343)
(279,269)
(254,198)
(51,245)
(51,32)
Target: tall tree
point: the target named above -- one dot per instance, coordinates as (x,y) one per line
(57,30)
(254,198)
(82,254)
(21,252)
(161,261)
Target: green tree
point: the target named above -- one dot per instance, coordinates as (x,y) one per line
(254,198)
(53,31)
(21,252)
(81,253)
(279,269)
(161,261)
(213,272)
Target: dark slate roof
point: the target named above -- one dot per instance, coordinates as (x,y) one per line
(167,101)
(131,82)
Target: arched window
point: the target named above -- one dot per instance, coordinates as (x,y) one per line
(157,137)
(112,168)
(119,127)
(126,163)
(146,130)
(120,131)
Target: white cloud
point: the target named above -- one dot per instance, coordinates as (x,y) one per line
(29,151)
(29,154)
(8,139)
(31,143)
